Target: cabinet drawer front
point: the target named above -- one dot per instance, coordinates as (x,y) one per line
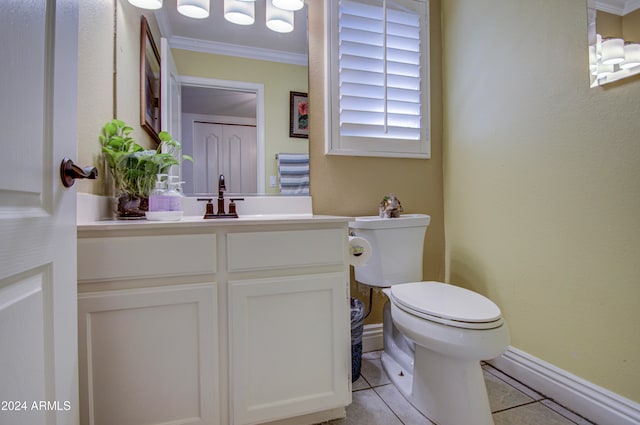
(281,249)
(121,257)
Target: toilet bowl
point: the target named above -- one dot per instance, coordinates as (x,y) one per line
(435,334)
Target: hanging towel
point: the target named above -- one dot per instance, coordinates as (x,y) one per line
(293,170)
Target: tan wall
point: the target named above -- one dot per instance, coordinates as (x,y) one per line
(95,83)
(612,25)
(102,97)
(541,185)
(608,25)
(354,186)
(631,26)
(278,78)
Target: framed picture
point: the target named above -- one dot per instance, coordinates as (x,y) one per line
(149,82)
(298,115)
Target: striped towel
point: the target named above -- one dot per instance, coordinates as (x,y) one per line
(294,173)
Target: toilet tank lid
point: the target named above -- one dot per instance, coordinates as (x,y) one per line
(405,220)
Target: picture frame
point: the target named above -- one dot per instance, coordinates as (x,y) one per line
(150,103)
(298,115)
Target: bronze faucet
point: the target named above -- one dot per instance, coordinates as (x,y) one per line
(209,213)
(221,189)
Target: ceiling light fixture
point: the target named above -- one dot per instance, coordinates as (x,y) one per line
(631,56)
(279,13)
(198,9)
(612,51)
(291,5)
(241,12)
(147,4)
(278,20)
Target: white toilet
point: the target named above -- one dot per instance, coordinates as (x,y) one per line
(435,334)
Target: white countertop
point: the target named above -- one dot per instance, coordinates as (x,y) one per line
(94,213)
(198,221)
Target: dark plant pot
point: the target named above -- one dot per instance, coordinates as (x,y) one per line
(132,207)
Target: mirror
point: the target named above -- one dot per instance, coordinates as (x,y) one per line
(220,63)
(614,40)
(220,127)
(149,82)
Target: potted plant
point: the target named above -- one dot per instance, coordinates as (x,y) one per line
(134,168)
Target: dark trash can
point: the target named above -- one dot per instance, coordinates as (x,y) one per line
(357,326)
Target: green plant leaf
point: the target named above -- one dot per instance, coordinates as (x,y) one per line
(133,167)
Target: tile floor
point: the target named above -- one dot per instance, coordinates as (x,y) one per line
(377,402)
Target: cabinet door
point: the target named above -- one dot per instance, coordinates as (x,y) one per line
(290,346)
(149,356)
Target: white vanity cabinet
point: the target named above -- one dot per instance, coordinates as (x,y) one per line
(224,322)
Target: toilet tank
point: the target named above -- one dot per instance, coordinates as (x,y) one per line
(396,245)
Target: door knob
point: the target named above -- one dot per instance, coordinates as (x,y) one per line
(69,172)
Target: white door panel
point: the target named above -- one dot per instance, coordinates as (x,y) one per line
(230,150)
(38,353)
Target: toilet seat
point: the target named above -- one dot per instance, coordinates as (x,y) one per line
(446,304)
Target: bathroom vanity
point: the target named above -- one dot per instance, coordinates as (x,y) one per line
(214,322)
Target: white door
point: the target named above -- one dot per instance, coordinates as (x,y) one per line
(38,327)
(226,149)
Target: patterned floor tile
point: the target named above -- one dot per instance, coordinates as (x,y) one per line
(368,409)
(372,371)
(509,380)
(502,395)
(400,406)
(530,414)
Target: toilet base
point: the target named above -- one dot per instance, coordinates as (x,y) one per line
(447,391)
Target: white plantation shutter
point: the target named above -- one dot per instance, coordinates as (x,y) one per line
(380,79)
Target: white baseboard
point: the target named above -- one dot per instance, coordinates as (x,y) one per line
(589,400)
(372,338)
(595,403)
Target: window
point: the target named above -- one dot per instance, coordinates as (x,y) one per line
(378,78)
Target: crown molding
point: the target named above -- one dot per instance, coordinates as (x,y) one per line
(229,49)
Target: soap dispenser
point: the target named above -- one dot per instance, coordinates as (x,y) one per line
(158,197)
(174,194)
